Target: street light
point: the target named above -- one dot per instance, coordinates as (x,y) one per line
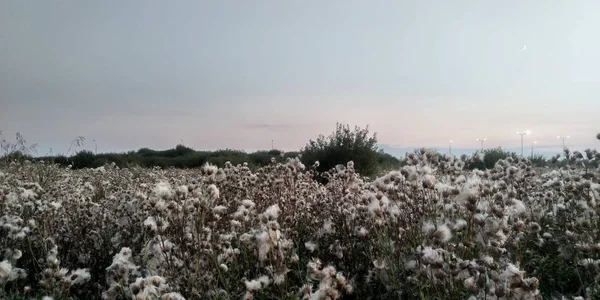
(95,147)
(534,142)
(481,140)
(563,139)
(522,134)
(450,148)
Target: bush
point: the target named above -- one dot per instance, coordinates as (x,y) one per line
(84,159)
(388,162)
(490,157)
(343,146)
(539,161)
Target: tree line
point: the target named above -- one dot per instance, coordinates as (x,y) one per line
(344,144)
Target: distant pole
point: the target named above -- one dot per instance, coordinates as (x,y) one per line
(272,145)
(481,140)
(563,139)
(95,147)
(532,145)
(522,134)
(450,148)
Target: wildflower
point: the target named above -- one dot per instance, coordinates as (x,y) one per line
(374,207)
(470,284)
(79,276)
(150,222)
(279,277)
(172,296)
(5,270)
(429,181)
(209,169)
(310,246)
(443,233)
(272,211)
(460,224)
(295,258)
(223,267)
(257,284)
(363,232)
(380,264)
(213,191)
(431,256)
(219,209)
(428,227)
(264,245)
(411,264)
(17,254)
(163,190)
(248,203)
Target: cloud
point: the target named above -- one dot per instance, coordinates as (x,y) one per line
(270,127)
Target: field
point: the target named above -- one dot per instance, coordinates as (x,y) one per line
(429,230)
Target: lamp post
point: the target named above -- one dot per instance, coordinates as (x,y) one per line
(563,137)
(522,134)
(532,145)
(95,147)
(482,140)
(450,148)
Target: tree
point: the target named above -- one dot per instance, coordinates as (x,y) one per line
(342,146)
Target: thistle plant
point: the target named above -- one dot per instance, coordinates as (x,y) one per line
(432,229)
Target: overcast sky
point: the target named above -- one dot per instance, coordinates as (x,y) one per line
(238,74)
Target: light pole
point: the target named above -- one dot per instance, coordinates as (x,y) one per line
(534,142)
(563,137)
(450,148)
(95,147)
(522,134)
(482,140)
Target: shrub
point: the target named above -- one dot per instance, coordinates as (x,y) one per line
(430,230)
(490,157)
(84,159)
(538,160)
(342,146)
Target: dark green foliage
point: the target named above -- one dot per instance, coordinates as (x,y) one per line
(178,157)
(16,156)
(342,146)
(388,162)
(491,156)
(538,160)
(84,159)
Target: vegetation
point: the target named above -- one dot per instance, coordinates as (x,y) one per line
(489,157)
(341,146)
(344,145)
(328,152)
(437,227)
(432,229)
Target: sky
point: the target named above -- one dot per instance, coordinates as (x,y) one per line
(244,74)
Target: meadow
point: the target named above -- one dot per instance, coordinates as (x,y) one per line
(431,229)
